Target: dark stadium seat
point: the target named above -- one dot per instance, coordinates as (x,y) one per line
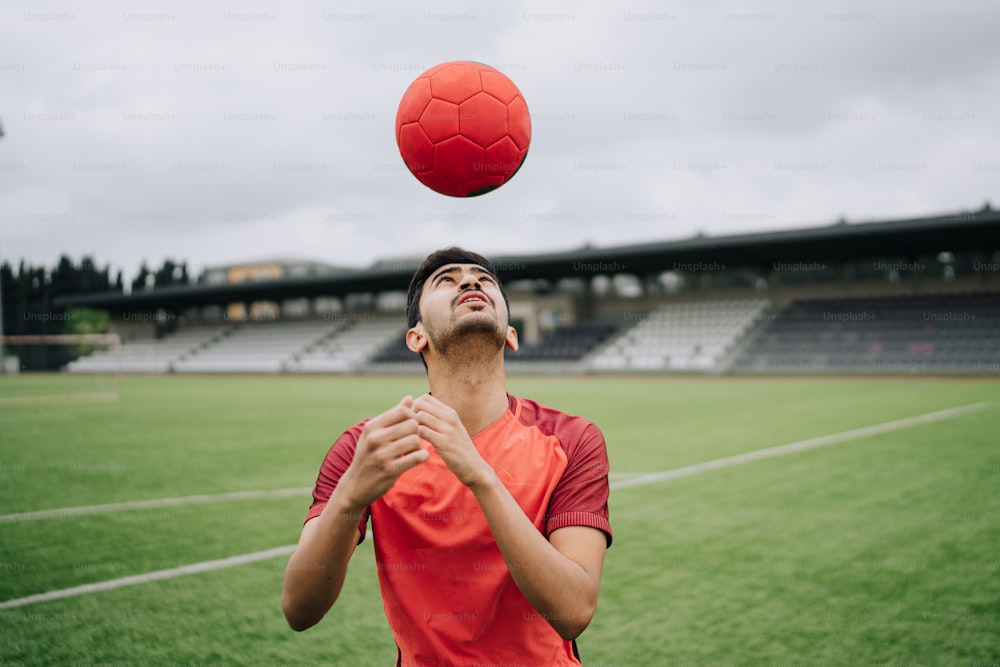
(565,343)
(940,332)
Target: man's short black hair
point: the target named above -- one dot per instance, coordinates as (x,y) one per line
(435,261)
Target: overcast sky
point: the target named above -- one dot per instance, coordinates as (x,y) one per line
(226,132)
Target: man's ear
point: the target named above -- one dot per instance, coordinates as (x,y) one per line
(416,338)
(511,341)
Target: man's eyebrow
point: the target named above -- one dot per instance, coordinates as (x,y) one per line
(453,269)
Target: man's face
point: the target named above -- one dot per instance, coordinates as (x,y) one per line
(463,301)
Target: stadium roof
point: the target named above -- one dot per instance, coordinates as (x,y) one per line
(906,239)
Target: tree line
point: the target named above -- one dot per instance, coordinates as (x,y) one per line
(29,293)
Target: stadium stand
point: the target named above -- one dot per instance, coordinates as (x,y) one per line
(898,334)
(905,296)
(255,347)
(691,336)
(889,334)
(151,356)
(295,346)
(350,349)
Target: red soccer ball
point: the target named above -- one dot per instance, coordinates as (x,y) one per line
(463,128)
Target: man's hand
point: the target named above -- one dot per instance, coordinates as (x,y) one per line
(389,445)
(441,426)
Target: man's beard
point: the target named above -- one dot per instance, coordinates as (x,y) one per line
(474,336)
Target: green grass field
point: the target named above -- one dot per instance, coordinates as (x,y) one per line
(880,550)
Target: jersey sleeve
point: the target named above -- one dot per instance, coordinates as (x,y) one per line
(581,496)
(334,465)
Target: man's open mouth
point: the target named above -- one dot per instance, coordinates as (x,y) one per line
(473,297)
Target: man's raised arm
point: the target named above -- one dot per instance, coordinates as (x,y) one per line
(387,447)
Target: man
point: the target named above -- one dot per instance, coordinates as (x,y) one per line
(489,511)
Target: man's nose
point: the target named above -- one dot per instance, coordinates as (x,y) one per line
(470,281)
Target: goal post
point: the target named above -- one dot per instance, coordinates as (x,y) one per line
(60,367)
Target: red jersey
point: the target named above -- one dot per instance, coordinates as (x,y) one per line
(447,593)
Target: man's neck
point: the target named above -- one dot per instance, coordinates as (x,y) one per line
(476,390)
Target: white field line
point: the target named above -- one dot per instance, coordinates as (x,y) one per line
(641,480)
(803,445)
(155,502)
(194,568)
